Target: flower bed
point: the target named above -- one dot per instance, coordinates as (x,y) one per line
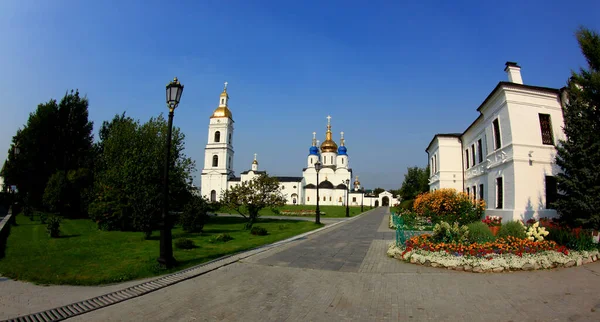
(501,255)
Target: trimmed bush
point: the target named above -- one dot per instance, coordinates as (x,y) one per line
(53,226)
(512,228)
(480,233)
(184,243)
(407,204)
(259,231)
(220,238)
(43,217)
(450,206)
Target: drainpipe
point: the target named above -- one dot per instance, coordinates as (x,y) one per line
(462,168)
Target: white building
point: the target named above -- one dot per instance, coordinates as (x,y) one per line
(218,175)
(506,156)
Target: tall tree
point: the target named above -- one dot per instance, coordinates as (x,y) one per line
(57,136)
(579,155)
(129,174)
(249,197)
(416,181)
(378,190)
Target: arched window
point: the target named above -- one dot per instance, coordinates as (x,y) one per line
(217,136)
(222,101)
(324,198)
(229,138)
(329,198)
(215,161)
(340,200)
(307,198)
(213,196)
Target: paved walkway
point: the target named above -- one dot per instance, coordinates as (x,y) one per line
(342,274)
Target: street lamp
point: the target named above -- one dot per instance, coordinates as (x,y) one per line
(347,195)
(166,259)
(318,167)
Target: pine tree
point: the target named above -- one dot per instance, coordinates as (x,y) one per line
(579,155)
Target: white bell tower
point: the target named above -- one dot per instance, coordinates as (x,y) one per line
(218,154)
(255,164)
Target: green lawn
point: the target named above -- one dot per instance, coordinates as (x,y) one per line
(85,255)
(326,211)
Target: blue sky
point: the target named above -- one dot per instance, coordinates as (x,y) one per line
(390,73)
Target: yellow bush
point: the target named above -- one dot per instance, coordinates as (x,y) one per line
(449,205)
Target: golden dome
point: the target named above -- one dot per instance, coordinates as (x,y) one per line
(222,111)
(255,162)
(224,94)
(328,145)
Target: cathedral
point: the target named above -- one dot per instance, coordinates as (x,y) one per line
(334,177)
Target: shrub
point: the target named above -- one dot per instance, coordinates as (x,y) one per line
(53,226)
(220,238)
(407,204)
(480,233)
(443,232)
(512,228)
(259,231)
(450,206)
(184,243)
(43,217)
(194,215)
(567,237)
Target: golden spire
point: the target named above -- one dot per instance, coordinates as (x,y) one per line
(223,109)
(328,145)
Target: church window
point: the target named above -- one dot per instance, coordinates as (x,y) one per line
(307,198)
(215,161)
(342,160)
(466,158)
(480,151)
(497,139)
(481,191)
(217,136)
(229,163)
(499,193)
(229,138)
(329,198)
(294,187)
(353,199)
(551,192)
(331,159)
(546,127)
(473,153)
(213,196)
(311,160)
(340,200)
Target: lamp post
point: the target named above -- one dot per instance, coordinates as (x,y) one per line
(318,167)
(347,196)
(166,259)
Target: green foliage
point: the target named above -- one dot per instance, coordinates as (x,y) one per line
(129,177)
(27,208)
(259,231)
(249,197)
(580,241)
(378,190)
(57,136)
(479,233)
(56,192)
(416,181)
(53,226)
(184,243)
(579,155)
(194,215)
(446,233)
(407,204)
(220,238)
(512,228)
(43,217)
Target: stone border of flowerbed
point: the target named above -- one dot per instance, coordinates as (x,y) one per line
(495,263)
